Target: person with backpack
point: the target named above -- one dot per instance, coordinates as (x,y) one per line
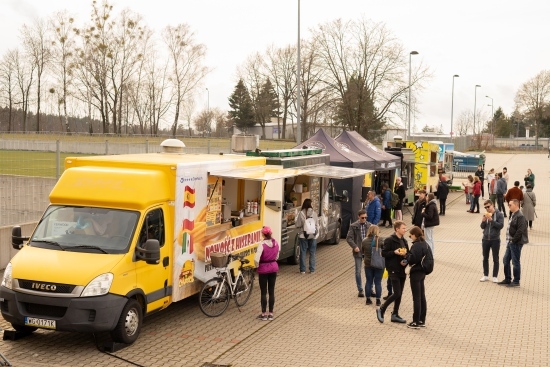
(420,260)
(265,260)
(386,206)
(372,246)
(357,232)
(308,226)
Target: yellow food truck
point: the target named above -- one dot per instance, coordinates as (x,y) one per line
(127,235)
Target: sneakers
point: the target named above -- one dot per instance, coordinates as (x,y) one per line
(361,294)
(513,284)
(262,317)
(270,317)
(369,301)
(397,318)
(302,272)
(495,280)
(421,324)
(413,325)
(504,282)
(484,278)
(378,301)
(388,296)
(380,315)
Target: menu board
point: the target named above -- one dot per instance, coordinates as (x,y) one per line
(314,193)
(213,215)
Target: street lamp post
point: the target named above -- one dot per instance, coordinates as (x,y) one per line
(409,104)
(298,73)
(492,120)
(475,102)
(452,104)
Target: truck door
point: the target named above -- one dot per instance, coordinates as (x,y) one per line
(155,280)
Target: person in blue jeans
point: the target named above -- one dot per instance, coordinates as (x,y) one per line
(309,242)
(357,232)
(374,275)
(516,237)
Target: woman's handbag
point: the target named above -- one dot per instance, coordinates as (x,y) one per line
(377,260)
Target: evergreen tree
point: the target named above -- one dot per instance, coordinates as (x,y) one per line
(241,111)
(356,111)
(267,105)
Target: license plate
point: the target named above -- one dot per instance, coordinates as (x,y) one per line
(41,323)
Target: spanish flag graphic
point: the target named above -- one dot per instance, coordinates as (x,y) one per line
(187,239)
(189,197)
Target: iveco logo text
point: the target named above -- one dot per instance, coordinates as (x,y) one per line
(44,287)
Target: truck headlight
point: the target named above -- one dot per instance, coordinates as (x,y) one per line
(99,286)
(6,280)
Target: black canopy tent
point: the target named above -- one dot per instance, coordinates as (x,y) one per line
(384,163)
(342,156)
(358,144)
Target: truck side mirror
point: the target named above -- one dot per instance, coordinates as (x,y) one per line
(150,252)
(16,238)
(344,198)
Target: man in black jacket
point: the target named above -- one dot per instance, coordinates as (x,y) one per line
(481,174)
(442,193)
(516,237)
(417,210)
(394,251)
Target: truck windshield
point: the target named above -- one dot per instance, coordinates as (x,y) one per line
(85,229)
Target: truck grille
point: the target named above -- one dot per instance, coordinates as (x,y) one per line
(34,286)
(44,310)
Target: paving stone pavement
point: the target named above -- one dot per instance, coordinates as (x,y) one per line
(320,321)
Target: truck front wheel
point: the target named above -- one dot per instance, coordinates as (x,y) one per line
(24,328)
(336,238)
(129,324)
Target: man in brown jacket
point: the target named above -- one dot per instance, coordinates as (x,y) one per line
(514,193)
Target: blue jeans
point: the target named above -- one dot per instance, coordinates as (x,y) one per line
(375,275)
(358,279)
(513,253)
(311,245)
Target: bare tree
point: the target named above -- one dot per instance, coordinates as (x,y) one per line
(254,74)
(314,92)
(37,48)
(532,97)
(25,73)
(203,122)
(464,123)
(189,111)
(8,81)
(281,68)
(371,53)
(63,56)
(186,65)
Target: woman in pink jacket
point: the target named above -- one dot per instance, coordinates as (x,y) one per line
(266,264)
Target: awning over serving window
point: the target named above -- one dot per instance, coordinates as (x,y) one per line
(337,172)
(267,173)
(260,173)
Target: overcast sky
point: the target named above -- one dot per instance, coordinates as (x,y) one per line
(496,44)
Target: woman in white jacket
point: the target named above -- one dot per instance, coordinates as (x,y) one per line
(307,241)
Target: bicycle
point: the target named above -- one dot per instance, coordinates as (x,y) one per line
(237,284)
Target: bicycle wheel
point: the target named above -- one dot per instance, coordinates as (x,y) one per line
(244,287)
(214,297)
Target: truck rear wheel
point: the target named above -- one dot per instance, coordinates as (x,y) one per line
(129,324)
(295,258)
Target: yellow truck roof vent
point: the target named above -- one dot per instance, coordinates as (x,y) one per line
(172,146)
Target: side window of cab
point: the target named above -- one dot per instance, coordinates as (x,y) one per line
(153,227)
